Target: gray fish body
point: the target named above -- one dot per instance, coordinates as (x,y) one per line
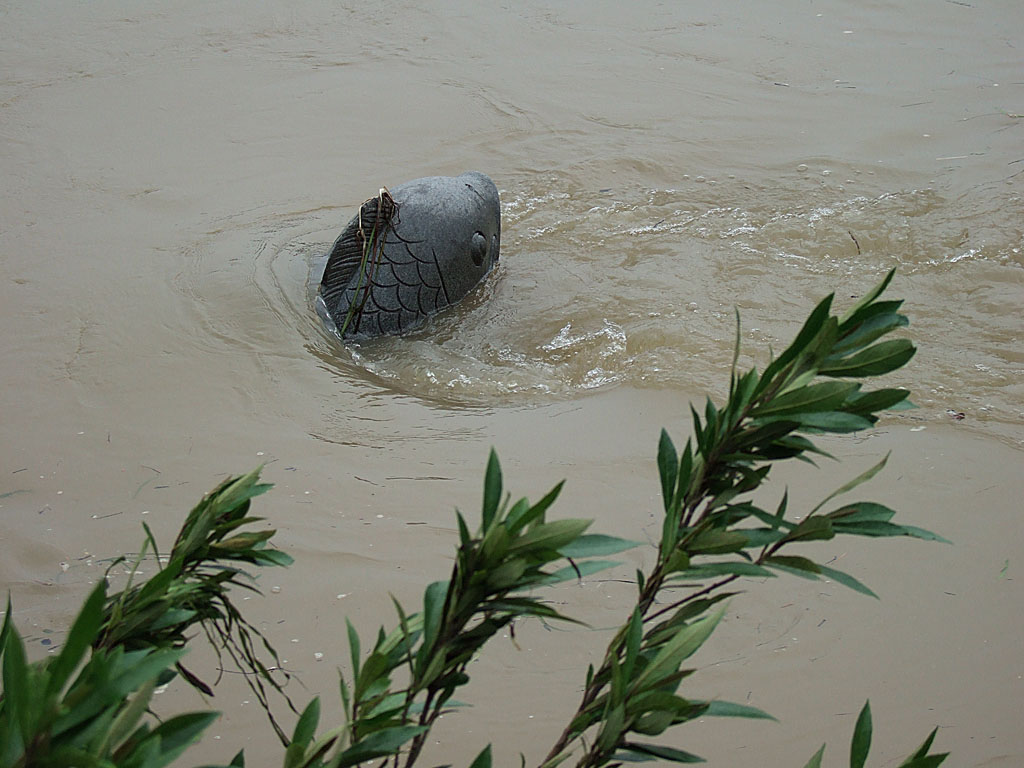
(395,265)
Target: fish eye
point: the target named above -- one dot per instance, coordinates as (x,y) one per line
(478,248)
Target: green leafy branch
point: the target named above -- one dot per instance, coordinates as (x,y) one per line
(85,706)
(713,530)
(193,588)
(51,717)
(860,745)
(510,554)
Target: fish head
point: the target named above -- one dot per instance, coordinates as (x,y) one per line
(454,221)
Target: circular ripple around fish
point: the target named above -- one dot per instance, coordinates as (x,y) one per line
(597,287)
(252,280)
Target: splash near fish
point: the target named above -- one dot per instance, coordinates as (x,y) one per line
(409,253)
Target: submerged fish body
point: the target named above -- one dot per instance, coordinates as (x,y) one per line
(410,252)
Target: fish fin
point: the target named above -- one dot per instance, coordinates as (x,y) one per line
(347,254)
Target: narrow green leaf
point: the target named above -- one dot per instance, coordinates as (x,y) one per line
(492,490)
(433,607)
(878,528)
(536,512)
(735,355)
(273,557)
(877,360)
(634,634)
(305,728)
(16,691)
(353,648)
(713,570)
(729,709)
(745,390)
(799,382)
(860,479)
(923,749)
(235,492)
(903,405)
(662,699)
(921,758)
(612,726)
(243,541)
(666,630)
(654,722)
(875,323)
(798,566)
(172,618)
(161,581)
(385,742)
(549,498)
(140,666)
(178,733)
(8,625)
(345,695)
(761,537)
(869,297)
(516,513)
(568,573)
(507,574)
(128,718)
(677,561)
(925,535)
(80,637)
(928,761)
(483,760)
(846,580)
(861,511)
(815,761)
(495,544)
(464,537)
(812,326)
(685,469)
(698,430)
(822,345)
(869,326)
(597,545)
(671,754)
(711,417)
(668,469)
(878,400)
(554,762)
(826,396)
(797,444)
(716,542)
(861,743)
(815,528)
(685,642)
(765,434)
(780,511)
(521,606)
(549,536)
(839,422)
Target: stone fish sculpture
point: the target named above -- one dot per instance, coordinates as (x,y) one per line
(410,252)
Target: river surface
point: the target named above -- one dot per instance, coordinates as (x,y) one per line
(172,176)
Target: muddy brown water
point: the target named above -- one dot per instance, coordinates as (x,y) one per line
(171,177)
